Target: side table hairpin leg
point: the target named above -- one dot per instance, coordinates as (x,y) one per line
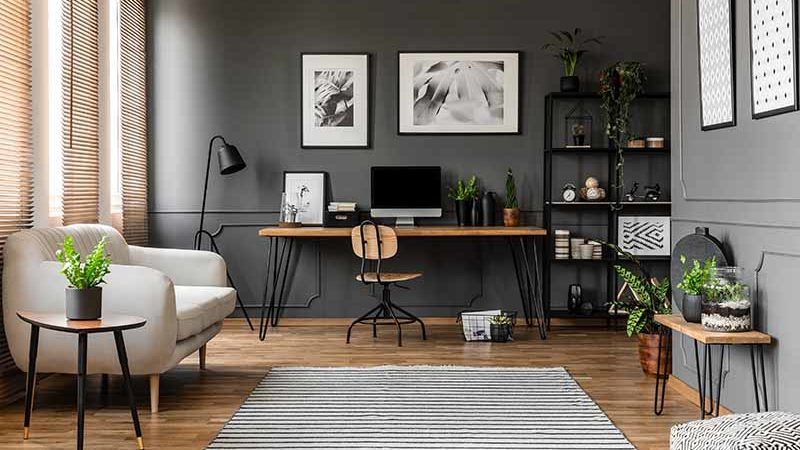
(662,379)
(758,348)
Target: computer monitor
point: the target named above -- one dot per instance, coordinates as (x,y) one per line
(406,192)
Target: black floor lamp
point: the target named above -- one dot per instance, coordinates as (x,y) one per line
(230,161)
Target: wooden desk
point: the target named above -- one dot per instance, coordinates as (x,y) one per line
(755,339)
(521,241)
(109,323)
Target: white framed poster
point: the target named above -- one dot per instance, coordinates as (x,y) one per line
(715,40)
(644,235)
(335,100)
(773,57)
(305,191)
(458,93)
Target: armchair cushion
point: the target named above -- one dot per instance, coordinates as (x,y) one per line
(199,307)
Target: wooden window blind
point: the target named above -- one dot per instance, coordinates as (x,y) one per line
(16,176)
(133,119)
(81,111)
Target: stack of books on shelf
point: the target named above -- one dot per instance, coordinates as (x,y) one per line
(562,244)
(342,206)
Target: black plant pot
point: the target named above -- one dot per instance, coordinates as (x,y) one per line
(692,308)
(84,304)
(487,209)
(570,84)
(500,332)
(463,212)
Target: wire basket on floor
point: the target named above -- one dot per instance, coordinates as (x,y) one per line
(478,326)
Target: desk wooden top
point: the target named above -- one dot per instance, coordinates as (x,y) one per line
(421,231)
(700,334)
(59,322)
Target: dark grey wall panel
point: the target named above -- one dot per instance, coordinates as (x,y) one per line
(742,183)
(233,67)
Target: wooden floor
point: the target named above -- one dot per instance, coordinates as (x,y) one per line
(195,405)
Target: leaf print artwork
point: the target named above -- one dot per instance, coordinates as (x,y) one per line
(458,92)
(333,98)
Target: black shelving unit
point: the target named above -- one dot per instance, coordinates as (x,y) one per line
(613,207)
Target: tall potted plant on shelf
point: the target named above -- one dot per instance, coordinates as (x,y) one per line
(620,84)
(84,296)
(648,297)
(464,195)
(511,210)
(569,47)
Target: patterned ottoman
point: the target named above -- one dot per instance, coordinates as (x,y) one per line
(757,431)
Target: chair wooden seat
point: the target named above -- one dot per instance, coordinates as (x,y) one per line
(387,277)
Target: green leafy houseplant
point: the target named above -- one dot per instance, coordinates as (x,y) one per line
(620,84)
(464,191)
(569,47)
(500,319)
(650,296)
(84,274)
(697,276)
(84,295)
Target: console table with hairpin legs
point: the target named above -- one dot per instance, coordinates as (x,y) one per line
(756,340)
(521,241)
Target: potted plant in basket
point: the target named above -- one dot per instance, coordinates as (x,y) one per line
(692,284)
(649,297)
(511,210)
(620,84)
(464,195)
(568,46)
(84,296)
(500,327)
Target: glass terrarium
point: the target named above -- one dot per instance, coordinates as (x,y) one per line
(578,127)
(726,301)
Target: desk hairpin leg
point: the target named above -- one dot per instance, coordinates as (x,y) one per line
(523,292)
(526,270)
(277,271)
(705,381)
(758,348)
(662,379)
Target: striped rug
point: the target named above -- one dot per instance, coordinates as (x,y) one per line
(419,407)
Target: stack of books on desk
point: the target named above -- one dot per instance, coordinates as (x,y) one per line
(342,206)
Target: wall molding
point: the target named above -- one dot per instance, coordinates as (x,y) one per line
(678,91)
(736,223)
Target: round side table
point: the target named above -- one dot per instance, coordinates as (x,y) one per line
(109,323)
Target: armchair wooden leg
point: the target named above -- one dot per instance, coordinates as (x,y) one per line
(203,357)
(154,383)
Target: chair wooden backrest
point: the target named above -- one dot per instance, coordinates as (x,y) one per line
(373,242)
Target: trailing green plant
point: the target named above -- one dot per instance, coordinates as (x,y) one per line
(620,84)
(650,296)
(84,274)
(464,191)
(511,191)
(696,277)
(500,319)
(568,46)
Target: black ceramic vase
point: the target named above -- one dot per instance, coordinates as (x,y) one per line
(475,213)
(84,304)
(487,209)
(570,84)
(463,212)
(692,308)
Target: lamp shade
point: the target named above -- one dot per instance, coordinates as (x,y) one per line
(230,161)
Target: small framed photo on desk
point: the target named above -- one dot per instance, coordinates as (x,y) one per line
(306,192)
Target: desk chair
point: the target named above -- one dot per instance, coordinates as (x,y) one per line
(375,243)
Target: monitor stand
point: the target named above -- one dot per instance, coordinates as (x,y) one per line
(404,222)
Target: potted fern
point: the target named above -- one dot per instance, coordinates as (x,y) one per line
(695,277)
(648,297)
(511,210)
(500,327)
(84,296)
(464,195)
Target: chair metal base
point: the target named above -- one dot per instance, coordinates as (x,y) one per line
(387,313)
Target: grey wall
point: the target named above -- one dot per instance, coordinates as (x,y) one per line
(232,67)
(741,182)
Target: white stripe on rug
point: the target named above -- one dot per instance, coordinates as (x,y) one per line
(419,407)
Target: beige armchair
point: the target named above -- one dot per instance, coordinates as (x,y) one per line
(183,294)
